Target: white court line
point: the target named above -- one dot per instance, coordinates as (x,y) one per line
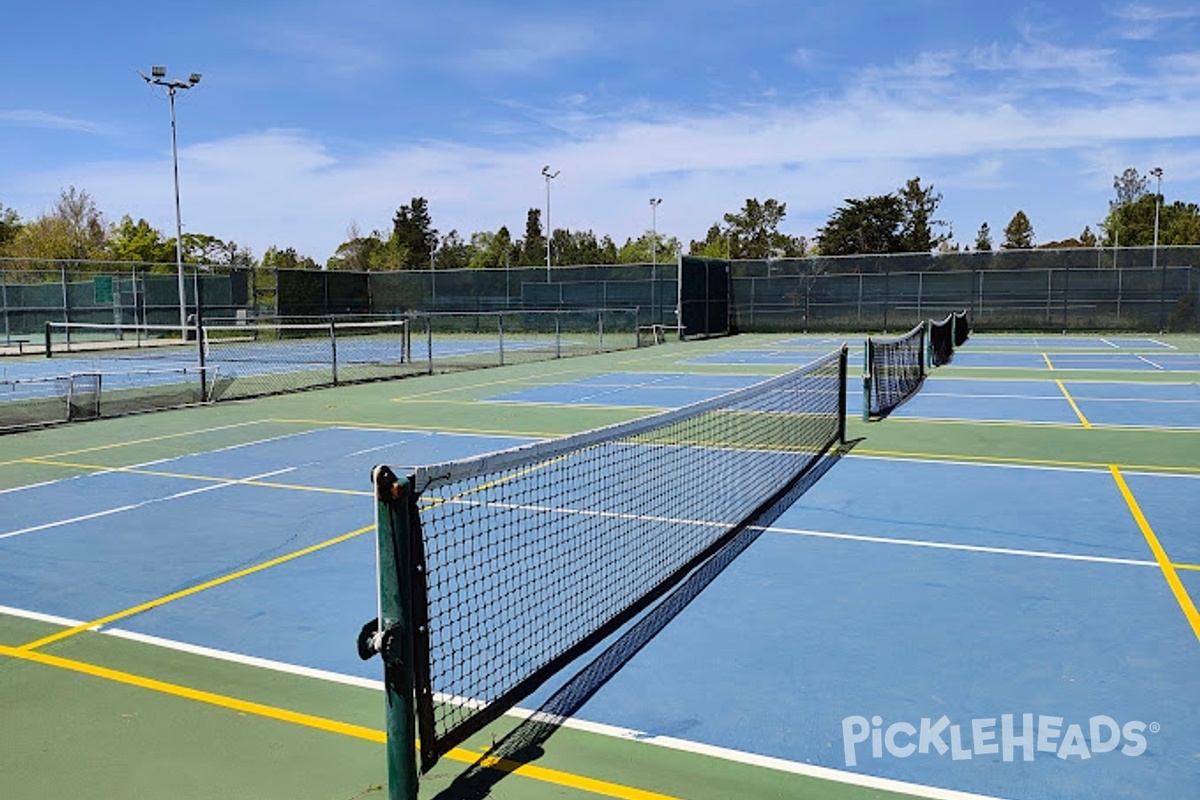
(141,465)
(1110,344)
(972,548)
(133,506)
(596,728)
(1148,361)
(1163,344)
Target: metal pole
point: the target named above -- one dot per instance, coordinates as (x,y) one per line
(178,219)
(1162,297)
(158,77)
(654,202)
(549,177)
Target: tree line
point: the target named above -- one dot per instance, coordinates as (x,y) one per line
(902,221)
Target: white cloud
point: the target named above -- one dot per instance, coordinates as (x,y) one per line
(1141,21)
(530,47)
(45,119)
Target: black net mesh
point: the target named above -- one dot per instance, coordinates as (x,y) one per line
(895,370)
(533,555)
(962,329)
(941,341)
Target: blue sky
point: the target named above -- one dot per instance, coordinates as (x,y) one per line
(315,116)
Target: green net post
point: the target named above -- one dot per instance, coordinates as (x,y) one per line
(843,359)
(928,344)
(395,506)
(866,405)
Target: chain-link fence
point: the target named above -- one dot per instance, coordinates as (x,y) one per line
(1063,290)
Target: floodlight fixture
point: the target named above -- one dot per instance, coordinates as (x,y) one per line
(194,78)
(158,72)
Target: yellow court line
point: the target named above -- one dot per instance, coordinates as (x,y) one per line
(202,478)
(129,612)
(145,440)
(1071,400)
(1049,366)
(1026,462)
(1160,555)
(542,774)
(1195,567)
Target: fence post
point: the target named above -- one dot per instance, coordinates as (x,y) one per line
(4,301)
(333,349)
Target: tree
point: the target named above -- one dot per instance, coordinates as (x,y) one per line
(453,253)
(916,231)
(1018,233)
(1087,238)
(46,237)
(638,251)
(413,236)
(140,241)
(751,233)
(533,246)
(74,229)
(717,243)
(582,247)
(84,224)
(287,258)
(756,229)
(983,239)
(490,250)
(870,225)
(1130,187)
(10,223)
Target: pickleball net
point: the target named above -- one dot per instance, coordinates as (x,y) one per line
(894,371)
(513,564)
(941,341)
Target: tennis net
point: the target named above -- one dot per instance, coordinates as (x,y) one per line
(895,371)
(523,560)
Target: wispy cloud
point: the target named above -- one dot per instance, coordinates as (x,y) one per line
(1141,21)
(341,55)
(530,47)
(45,119)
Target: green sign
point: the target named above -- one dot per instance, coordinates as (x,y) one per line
(103,287)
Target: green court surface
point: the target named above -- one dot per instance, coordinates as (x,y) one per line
(98,714)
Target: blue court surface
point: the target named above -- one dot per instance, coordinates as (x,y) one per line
(794,357)
(1069,342)
(894,597)
(638,389)
(1126,404)
(1004,630)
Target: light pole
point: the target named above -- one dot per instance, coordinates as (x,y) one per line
(654,203)
(1162,298)
(549,176)
(158,77)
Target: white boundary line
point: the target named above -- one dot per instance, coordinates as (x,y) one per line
(597,728)
(972,548)
(223,484)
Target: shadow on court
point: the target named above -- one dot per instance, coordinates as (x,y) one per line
(523,745)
